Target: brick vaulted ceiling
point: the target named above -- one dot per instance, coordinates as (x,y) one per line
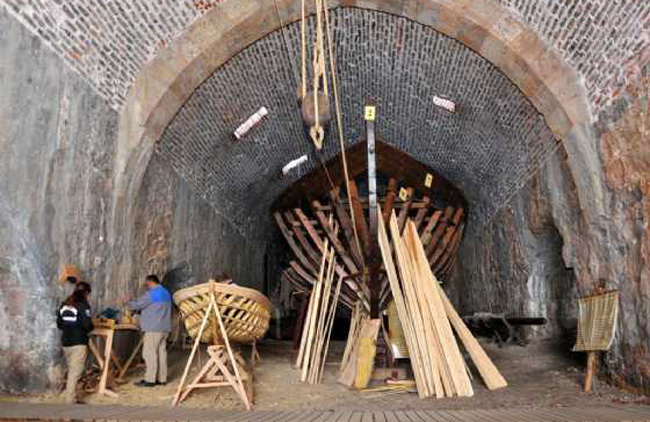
(487,149)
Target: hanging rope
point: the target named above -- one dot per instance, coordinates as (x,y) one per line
(339,122)
(303,51)
(319,68)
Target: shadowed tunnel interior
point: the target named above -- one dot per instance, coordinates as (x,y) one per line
(117,153)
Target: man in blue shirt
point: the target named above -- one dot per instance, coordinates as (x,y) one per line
(155,308)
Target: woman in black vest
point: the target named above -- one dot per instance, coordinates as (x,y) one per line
(74,319)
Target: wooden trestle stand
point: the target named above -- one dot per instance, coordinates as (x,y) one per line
(223,368)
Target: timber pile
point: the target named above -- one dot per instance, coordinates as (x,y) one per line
(319,320)
(427,317)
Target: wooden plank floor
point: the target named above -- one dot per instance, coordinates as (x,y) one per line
(60,412)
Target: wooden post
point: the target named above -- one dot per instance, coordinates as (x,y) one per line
(591,367)
(179,391)
(373,259)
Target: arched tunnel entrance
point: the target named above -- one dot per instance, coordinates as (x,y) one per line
(502,179)
(472,180)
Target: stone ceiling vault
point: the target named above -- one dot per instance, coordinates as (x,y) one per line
(487,149)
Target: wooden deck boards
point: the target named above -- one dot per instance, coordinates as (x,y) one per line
(60,412)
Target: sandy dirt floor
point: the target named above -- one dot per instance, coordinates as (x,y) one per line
(538,376)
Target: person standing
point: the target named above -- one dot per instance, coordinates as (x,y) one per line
(155,307)
(74,319)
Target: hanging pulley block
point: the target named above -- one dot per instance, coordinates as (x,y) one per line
(309,109)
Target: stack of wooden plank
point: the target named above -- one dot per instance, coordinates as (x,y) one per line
(319,320)
(427,317)
(359,355)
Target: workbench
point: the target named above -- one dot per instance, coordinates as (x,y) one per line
(106,328)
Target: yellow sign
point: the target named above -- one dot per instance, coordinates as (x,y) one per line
(403,194)
(370,113)
(428,181)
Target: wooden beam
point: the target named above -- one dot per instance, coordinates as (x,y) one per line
(390,199)
(302,273)
(450,251)
(302,240)
(422,212)
(449,232)
(311,230)
(489,372)
(439,231)
(333,237)
(404,212)
(292,244)
(346,225)
(360,218)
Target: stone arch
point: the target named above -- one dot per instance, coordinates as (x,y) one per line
(166,82)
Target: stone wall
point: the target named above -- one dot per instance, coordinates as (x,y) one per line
(514,265)
(548,247)
(181,238)
(624,140)
(57,149)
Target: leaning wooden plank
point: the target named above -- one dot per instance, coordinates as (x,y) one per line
(355,322)
(431,289)
(305,344)
(448,353)
(369,330)
(349,370)
(329,325)
(366,352)
(303,337)
(489,372)
(433,354)
(313,320)
(402,311)
(320,327)
(423,334)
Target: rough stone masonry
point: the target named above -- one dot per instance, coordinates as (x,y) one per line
(58,149)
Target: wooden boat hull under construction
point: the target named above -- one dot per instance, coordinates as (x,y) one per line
(245,312)
(315,209)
